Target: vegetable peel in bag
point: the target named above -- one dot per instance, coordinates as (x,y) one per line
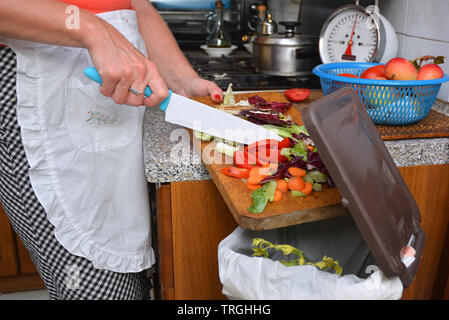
(263,248)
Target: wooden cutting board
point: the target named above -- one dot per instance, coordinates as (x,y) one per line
(289,210)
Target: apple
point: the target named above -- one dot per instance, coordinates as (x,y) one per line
(430,71)
(400,69)
(374,72)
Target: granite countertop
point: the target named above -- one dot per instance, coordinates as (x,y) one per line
(169,156)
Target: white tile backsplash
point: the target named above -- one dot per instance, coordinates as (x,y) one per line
(416,47)
(423,29)
(395,11)
(428,19)
(401,45)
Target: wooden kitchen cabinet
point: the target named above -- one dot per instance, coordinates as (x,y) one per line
(192,218)
(17,271)
(8,260)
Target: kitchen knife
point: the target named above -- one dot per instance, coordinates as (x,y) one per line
(200,117)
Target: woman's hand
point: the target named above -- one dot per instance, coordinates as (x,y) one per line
(201,87)
(163,49)
(122,66)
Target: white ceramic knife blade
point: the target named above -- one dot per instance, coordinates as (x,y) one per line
(200,117)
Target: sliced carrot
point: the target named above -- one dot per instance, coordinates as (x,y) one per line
(255,171)
(310,148)
(277,196)
(255,179)
(296,184)
(307,188)
(282,185)
(297,172)
(253,186)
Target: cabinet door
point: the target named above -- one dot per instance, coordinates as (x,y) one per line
(8,254)
(200,220)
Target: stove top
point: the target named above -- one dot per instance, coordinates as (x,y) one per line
(241,72)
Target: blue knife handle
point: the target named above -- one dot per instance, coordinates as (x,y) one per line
(92,73)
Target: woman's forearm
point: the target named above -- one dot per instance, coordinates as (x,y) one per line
(48,22)
(161,46)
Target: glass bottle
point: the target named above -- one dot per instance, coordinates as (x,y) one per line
(219,37)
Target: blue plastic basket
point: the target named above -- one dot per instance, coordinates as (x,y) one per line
(389,102)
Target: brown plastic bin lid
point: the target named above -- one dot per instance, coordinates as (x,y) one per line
(367,178)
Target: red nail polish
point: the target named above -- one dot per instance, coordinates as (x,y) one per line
(217,97)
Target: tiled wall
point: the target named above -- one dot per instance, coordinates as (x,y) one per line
(422,27)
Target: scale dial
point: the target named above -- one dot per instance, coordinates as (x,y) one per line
(350,34)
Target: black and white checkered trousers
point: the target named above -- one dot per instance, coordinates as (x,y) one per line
(65,275)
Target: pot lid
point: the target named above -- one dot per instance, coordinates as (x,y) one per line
(368,180)
(286,39)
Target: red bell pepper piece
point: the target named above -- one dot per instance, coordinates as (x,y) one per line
(236,172)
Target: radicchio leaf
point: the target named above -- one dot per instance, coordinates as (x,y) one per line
(281,107)
(282,171)
(256,99)
(264,117)
(261,103)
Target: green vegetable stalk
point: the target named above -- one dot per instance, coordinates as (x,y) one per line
(261,249)
(280,131)
(203,136)
(226,149)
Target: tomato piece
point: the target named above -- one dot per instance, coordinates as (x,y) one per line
(297,94)
(281,158)
(267,151)
(263,158)
(286,143)
(267,143)
(241,160)
(236,172)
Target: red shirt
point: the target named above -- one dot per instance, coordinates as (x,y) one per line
(98,6)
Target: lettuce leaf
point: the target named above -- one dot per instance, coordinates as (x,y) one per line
(261,197)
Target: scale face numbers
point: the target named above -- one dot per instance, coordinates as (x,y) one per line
(351,34)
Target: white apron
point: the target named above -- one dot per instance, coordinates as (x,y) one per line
(85,153)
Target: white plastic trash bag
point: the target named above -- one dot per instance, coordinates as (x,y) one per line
(257,278)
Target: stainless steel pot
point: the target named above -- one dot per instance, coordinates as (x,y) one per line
(288,54)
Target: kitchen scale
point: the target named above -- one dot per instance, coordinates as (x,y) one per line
(353,33)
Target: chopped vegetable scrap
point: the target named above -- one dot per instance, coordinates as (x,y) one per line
(265,117)
(293,256)
(272,168)
(228,99)
(261,197)
(236,172)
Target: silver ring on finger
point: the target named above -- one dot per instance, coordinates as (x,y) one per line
(134,91)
